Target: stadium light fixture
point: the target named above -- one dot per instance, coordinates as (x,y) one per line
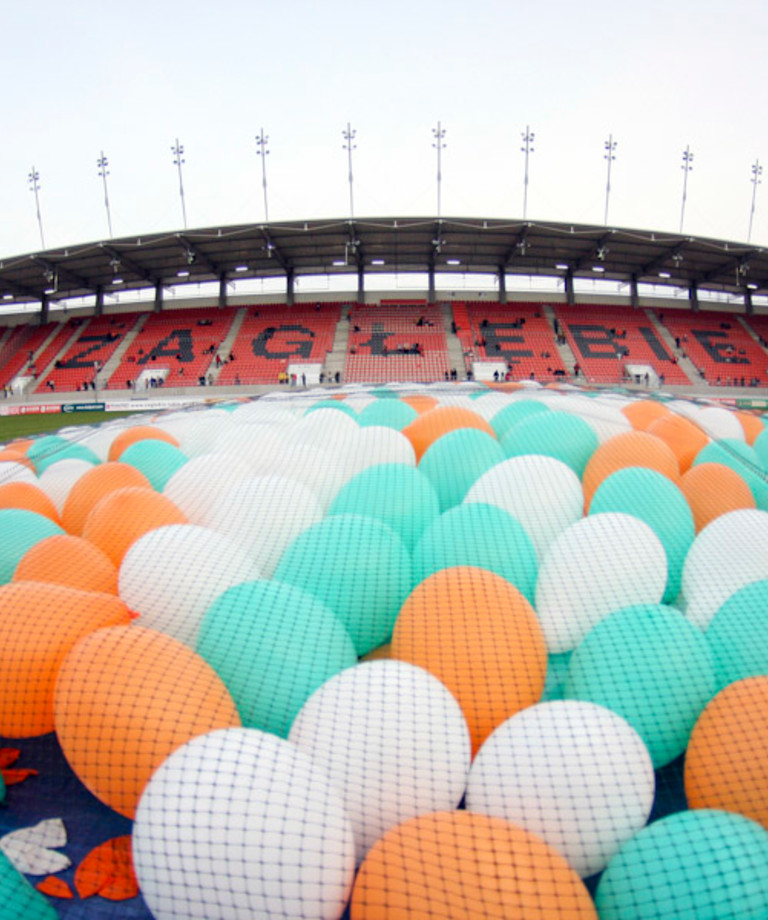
(453,261)
(378,262)
(598,268)
(263,151)
(527,149)
(349,146)
(686,167)
(184,273)
(439,144)
(757,171)
(664,275)
(561,266)
(34,186)
(103,163)
(610,147)
(178,160)
(7,296)
(241,268)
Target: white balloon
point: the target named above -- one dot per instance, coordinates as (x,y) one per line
(263,515)
(240,824)
(392,739)
(11,471)
(720,423)
(173,574)
(597,565)
(199,484)
(57,479)
(727,554)
(544,494)
(203,434)
(575,773)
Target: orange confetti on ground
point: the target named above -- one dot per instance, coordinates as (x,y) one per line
(108,871)
(14,777)
(8,756)
(55,887)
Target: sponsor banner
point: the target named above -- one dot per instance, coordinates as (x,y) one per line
(67,408)
(752,403)
(32,409)
(145,405)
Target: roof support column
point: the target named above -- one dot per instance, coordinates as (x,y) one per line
(98,309)
(44,309)
(290,280)
(431,282)
(502,284)
(693,296)
(223,290)
(360,284)
(158,297)
(634,296)
(748,305)
(569,295)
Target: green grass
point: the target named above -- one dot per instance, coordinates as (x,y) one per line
(27,426)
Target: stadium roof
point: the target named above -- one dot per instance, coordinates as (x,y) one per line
(385,245)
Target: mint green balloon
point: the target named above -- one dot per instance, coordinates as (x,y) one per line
(333,404)
(478,535)
(738,635)
(399,495)
(505,419)
(18,899)
(702,864)
(389,413)
(557,671)
(273,645)
(52,448)
(652,667)
(560,435)
(742,458)
(20,530)
(655,499)
(455,461)
(761,446)
(357,566)
(157,460)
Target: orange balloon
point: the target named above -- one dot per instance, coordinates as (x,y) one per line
(726,764)
(383,652)
(683,436)
(420,402)
(459,865)
(125,699)
(643,412)
(138,433)
(30,497)
(631,448)
(16,456)
(752,425)
(67,560)
(427,428)
(480,636)
(39,624)
(124,515)
(23,444)
(712,489)
(94,485)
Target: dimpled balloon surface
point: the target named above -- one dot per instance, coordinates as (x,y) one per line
(67,560)
(29,497)
(599,564)
(505,419)
(742,458)
(398,495)
(135,434)
(725,764)
(39,624)
(544,494)
(126,698)
(392,740)
(682,435)
(158,460)
(391,413)
(712,489)
(704,864)
(285,850)
(433,424)
(19,898)
(94,485)
(197,486)
(455,461)
(273,645)
(456,865)
(553,434)
(574,773)
(171,576)
(57,480)
(20,530)
(651,666)
(356,565)
(478,634)
(478,535)
(651,497)
(738,636)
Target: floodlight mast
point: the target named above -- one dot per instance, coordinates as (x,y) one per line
(610,146)
(263,151)
(34,186)
(686,167)
(757,171)
(178,159)
(439,134)
(527,148)
(103,163)
(349,146)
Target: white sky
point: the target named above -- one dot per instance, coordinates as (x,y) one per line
(128,78)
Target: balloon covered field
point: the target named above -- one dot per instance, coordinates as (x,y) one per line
(443,652)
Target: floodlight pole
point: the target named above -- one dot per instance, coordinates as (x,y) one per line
(439,134)
(178,150)
(349,146)
(610,146)
(263,151)
(34,186)
(103,163)
(757,171)
(686,167)
(527,148)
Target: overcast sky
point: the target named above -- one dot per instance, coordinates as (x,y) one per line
(129,78)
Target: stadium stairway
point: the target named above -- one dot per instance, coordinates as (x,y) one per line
(115,360)
(337,357)
(685,363)
(226,347)
(455,351)
(566,354)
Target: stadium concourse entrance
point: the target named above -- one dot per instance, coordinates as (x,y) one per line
(642,374)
